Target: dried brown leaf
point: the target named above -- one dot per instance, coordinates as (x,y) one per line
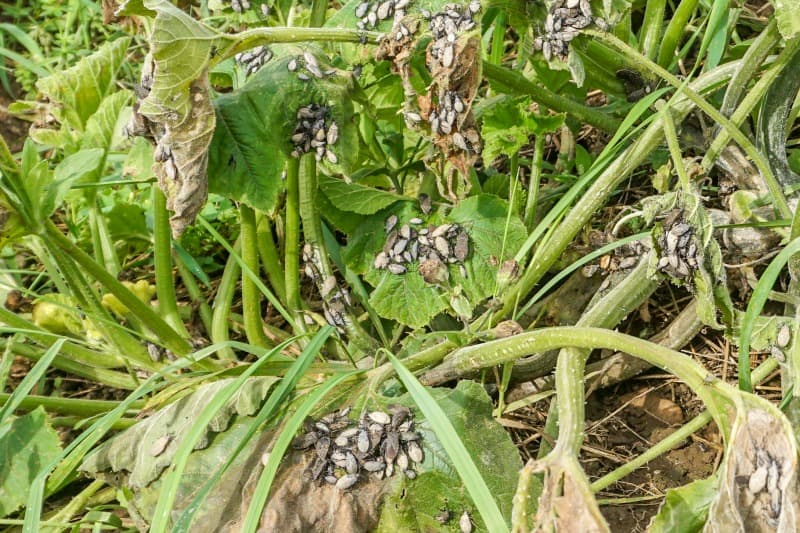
(759,485)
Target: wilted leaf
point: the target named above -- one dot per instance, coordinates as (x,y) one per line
(130,451)
(685,508)
(708,281)
(177,110)
(567,503)
(79,90)
(758,478)
(27,444)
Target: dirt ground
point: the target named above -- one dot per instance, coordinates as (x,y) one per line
(12,129)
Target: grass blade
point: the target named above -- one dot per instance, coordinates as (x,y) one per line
(754,307)
(450,441)
(64,466)
(169,489)
(288,432)
(281,391)
(30,380)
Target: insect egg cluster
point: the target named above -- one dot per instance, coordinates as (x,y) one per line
(563,23)
(433,246)
(346,452)
(314,132)
(254,59)
(680,255)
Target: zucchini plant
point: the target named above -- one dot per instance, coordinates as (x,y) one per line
(408,192)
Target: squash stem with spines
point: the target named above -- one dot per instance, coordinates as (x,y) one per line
(689,92)
(268,253)
(162,264)
(312,231)
(251,297)
(533,181)
(516,83)
(752,99)
(292,244)
(172,340)
(673,439)
(715,394)
(195,293)
(221,308)
(597,194)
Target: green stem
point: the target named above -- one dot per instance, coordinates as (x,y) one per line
(746,144)
(292,243)
(516,83)
(75,505)
(268,253)
(586,207)
(533,182)
(220,319)
(674,32)
(650,34)
(319,10)
(498,38)
(312,231)
(471,358)
(104,251)
(673,439)
(426,358)
(674,148)
(570,367)
(77,421)
(752,99)
(133,350)
(107,377)
(752,63)
(195,293)
(162,261)
(251,298)
(266,36)
(171,339)
(69,406)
